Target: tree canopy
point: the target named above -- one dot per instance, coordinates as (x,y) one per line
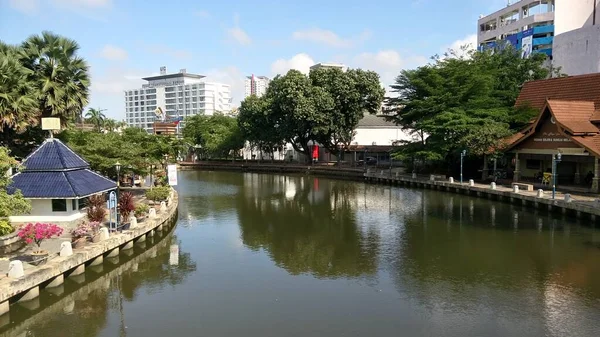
(324,107)
(462,102)
(41,77)
(10,204)
(215,136)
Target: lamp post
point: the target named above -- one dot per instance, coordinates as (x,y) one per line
(365,160)
(390,163)
(555,160)
(462,156)
(118,167)
(152,166)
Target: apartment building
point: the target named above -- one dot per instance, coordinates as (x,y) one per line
(178,95)
(567,31)
(329,65)
(256,85)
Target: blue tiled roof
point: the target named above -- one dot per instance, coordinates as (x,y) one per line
(59,185)
(53,170)
(53,155)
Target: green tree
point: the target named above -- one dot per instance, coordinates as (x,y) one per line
(10,204)
(217,135)
(96,117)
(462,102)
(256,123)
(59,75)
(300,110)
(354,93)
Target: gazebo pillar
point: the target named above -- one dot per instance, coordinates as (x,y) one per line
(517,173)
(596,179)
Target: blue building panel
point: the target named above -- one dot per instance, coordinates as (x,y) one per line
(542,40)
(543,29)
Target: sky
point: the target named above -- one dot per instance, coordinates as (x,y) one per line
(125,40)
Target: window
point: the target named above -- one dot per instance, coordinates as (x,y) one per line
(59,205)
(82,203)
(73,204)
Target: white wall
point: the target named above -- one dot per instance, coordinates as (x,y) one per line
(574,14)
(41,210)
(578,51)
(381,136)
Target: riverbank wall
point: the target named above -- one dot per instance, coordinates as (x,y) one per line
(572,205)
(53,273)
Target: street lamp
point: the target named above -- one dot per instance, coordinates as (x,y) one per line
(152,166)
(118,167)
(555,160)
(462,156)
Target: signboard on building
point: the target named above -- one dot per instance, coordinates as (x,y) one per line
(527,43)
(172,174)
(164,83)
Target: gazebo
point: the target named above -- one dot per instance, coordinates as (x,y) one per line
(57,182)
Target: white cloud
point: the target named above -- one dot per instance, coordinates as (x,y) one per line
(387,63)
(301,62)
(202,14)
(238,35)
(232,76)
(329,38)
(28,7)
(113,53)
(463,46)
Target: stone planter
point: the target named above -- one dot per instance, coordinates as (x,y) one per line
(10,243)
(96,238)
(78,243)
(38,258)
(140,219)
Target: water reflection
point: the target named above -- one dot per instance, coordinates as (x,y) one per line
(82,306)
(306,225)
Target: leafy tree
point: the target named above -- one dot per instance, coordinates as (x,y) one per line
(256,122)
(217,135)
(96,117)
(299,109)
(462,102)
(59,76)
(10,204)
(354,93)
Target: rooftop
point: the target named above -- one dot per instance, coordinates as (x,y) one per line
(373,121)
(53,170)
(571,88)
(170,76)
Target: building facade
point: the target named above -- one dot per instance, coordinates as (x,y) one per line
(178,95)
(329,65)
(256,85)
(567,31)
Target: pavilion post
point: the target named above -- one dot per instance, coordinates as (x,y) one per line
(517,173)
(596,179)
(485,173)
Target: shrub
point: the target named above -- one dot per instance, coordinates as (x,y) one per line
(38,232)
(5,227)
(96,210)
(126,205)
(94,227)
(141,210)
(158,193)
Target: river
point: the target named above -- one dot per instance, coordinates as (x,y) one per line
(272,255)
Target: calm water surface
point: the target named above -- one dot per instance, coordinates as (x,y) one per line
(270,255)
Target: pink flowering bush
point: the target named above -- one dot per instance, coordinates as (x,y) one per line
(81,231)
(94,227)
(38,232)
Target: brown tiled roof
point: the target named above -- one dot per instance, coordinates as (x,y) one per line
(591,143)
(572,88)
(574,115)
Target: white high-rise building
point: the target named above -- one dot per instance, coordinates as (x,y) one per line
(329,65)
(178,95)
(256,85)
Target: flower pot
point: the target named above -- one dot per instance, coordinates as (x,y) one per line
(78,243)
(140,219)
(96,238)
(37,258)
(125,226)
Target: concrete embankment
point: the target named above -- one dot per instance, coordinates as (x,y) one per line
(571,204)
(52,274)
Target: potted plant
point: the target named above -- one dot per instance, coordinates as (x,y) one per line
(37,233)
(79,235)
(96,210)
(141,211)
(94,230)
(126,206)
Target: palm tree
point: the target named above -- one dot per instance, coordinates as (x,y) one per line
(96,117)
(110,125)
(17,100)
(59,76)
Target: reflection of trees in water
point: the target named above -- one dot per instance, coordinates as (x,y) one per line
(83,308)
(312,230)
(465,242)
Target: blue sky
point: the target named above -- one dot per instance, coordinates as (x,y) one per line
(124,40)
